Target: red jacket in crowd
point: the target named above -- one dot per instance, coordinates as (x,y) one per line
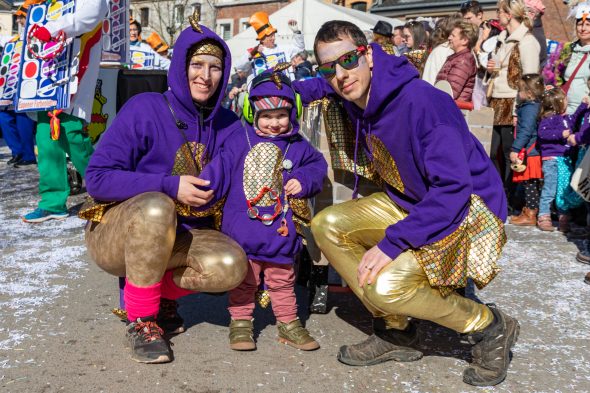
(459,70)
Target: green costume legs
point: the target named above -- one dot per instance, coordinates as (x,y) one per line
(53,177)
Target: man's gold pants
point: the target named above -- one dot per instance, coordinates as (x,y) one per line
(346,231)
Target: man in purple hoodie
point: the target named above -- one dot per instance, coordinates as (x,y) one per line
(439,221)
(147,167)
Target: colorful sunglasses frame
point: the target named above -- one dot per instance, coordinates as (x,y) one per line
(328,70)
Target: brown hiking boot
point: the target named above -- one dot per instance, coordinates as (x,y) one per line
(564,223)
(491,350)
(527,218)
(241,335)
(383,345)
(587,278)
(295,335)
(544,223)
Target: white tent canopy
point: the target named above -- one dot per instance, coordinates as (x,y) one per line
(311,15)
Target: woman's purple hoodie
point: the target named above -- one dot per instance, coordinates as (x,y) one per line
(550,132)
(137,153)
(229,177)
(441,164)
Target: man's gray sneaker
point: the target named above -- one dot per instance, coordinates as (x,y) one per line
(144,339)
(491,350)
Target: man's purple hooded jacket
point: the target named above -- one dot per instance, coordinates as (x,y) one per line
(440,163)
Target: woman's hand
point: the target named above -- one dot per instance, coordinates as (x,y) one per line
(586,100)
(566,133)
(491,66)
(190,194)
(371,265)
(293,187)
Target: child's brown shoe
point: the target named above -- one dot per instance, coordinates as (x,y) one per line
(295,335)
(241,335)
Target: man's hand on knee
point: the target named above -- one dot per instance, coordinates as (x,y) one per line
(192,191)
(371,264)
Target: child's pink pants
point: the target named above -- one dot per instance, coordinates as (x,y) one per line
(280,282)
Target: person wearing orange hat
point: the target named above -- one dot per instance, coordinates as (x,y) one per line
(268,53)
(136,43)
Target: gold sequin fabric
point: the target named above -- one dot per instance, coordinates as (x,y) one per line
(207,47)
(472,250)
(341,139)
(301,213)
(514,68)
(418,59)
(185,165)
(388,48)
(503,108)
(384,163)
(93,210)
(263,168)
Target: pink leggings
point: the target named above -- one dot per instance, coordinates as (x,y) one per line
(280,281)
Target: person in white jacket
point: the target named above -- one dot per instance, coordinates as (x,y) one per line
(84,25)
(267,53)
(160,62)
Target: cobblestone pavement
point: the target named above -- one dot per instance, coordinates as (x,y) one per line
(57,333)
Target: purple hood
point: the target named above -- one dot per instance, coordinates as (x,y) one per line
(177,74)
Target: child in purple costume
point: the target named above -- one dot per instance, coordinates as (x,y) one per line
(554,129)
(265,173)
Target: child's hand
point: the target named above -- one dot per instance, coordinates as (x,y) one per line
(571,140)
(514,158)
(566,133)
(293,187)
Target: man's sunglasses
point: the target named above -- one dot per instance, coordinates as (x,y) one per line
(348,61)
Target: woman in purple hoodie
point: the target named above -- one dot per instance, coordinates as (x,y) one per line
(439,221)
(152,230)
(266,173)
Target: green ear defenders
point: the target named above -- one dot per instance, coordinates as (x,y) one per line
(247,110)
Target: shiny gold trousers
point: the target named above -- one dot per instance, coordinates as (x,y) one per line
(137,239)
(346,231)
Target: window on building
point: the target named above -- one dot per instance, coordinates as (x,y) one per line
(145,16)
(14,25)
(196,7)
(359,6)
(224,30)
(178,14)
(244,24)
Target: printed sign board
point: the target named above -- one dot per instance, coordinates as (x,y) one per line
(115,33)
(44,84)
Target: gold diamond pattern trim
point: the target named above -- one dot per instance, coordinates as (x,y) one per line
(301,213)
(185,165)
(472,250)
(384,163)
(263,167)
(93,210)
(341,139)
